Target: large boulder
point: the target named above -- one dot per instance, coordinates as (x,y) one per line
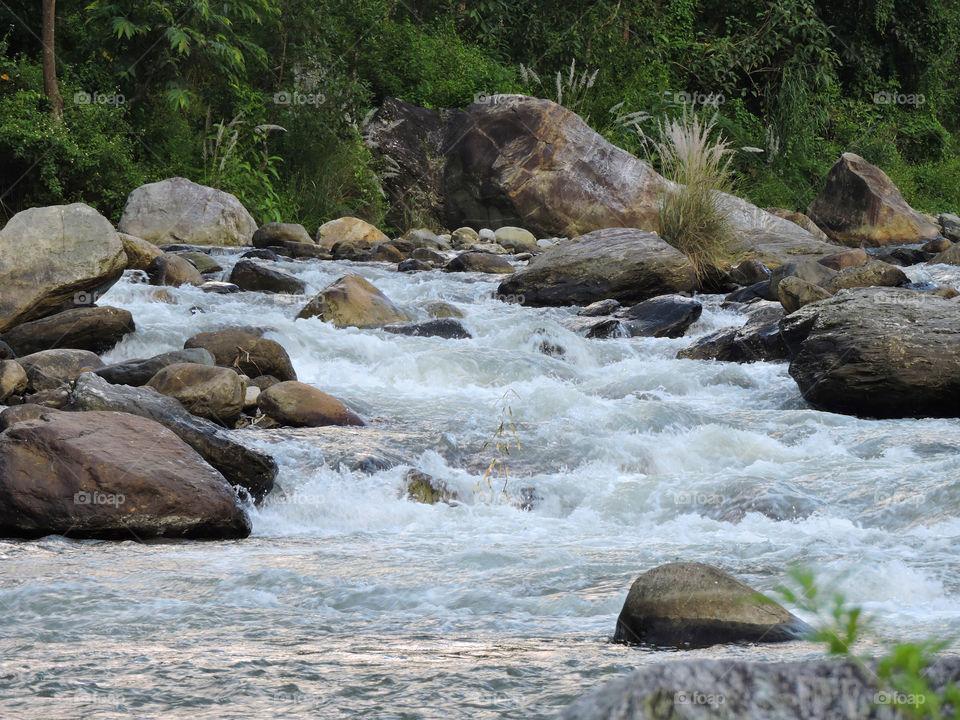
(246,351)
(697,605)
(52,257)
(250,469)
(96,329)
(13,379)
(759,339)
(275,233)
(349,230)
(861,207)
(257,276)
(353,301)
(138,372)
(173,270)
(479,262)
(877,352)
(625,264)
(110,475)
(210,392)
(51,369)
(302,405)
(140,253)
(178,210)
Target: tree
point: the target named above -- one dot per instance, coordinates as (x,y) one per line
(50,86)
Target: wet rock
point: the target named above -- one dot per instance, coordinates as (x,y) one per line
(861,207)
(877,352)
(874,273)
(13,380)
(599,308)
(207,391)
(173,270)
(782,502)
(749,272)
(180,211)
(262,254)
(250,469)
(946,291)
(442,327)
(759,339)
(276,233)
(254,275)
(479,262)
(621,263)
(429,256)
(665,316)
(349,230)
(412,265)
(386,252)
(140,253)
(905,257)
(301,405)
(353,301)
(937,245)
(96,329)
(102,480)
(53,257)
(847,258)
(49,369)
(440,309)
(950,226)
(595,328)
(201,261)
(807,270)
(516,239)
(795,293)
(426,489)
(950,256)
(219,288)
(246,351)
(752,293)
(138,372)
(697,605)
(352,252)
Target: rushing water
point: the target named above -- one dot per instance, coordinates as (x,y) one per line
(351,601)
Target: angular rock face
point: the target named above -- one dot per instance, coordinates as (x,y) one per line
(697,605)
(110,475)
(861,207)
(250,469)
(214,393)
(180,211)
(95,329)
(258,277)
(877,352)
(302,405)
(246,351)
(138,372)
(353,301)
(55,256)
(625,264)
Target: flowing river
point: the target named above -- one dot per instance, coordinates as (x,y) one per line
(350,600)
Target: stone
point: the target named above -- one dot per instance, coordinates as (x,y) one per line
(138,372)
(600,307)
(207,391)
(173,270)
(53,257)
(49,369)
(624,264)
(96,329)
(946,291)
(6,352)
(423,488)
(795,293)
(950,256)
(250,398)
(110,475)
(950,226)
(219,288)
(301,251)
(443,327)
(595,328)
(689,604)
(140,253)
(13,380)
(429,256)
(751,294)
(902,256)
(802,220)
(353,301)
(276,233)
(463,237)
(937,245)
(479,262)
(757,340)
(201,261)
(386,252)
(349,229)
(421,238)
(877,352)
(666,316)
(440,309)
(180,211)
(353,252)
(256,276)
(301,405)
(749,272)
(871,273)
(807,270)
(516,239)
(262,254)
(411,265)
(861,207)
(846,258)
(252,470)
(246,351)
(264,381)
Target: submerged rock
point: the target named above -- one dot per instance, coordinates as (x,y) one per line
(426,489)
(442,327)
(96,329)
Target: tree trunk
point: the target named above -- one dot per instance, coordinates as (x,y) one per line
(50,86)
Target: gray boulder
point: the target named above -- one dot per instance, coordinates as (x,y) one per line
(758,339)
(441,327)
(257,276)
(665,316)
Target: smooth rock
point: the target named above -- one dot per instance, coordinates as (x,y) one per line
(442,327)
(138,372)
(847,258)
(807,270)
(479,262)
(207,391)
(246,351)
(201,261)
(516,239)
(276,233)
(950,226)
(173,270)
(301,405)
(96,329)
(219,288)
(49,369)
(937,245)
(256,276)
(440,309)
(13,380)
(411,265)
(463,237)
(950,256)
(600,307)
(757,340)
(666,316)
(353,301)
(427,255)
(872,273)
(262,254)
(795,293)
(351,230)
(386,252)
(140,253)
(802,220)
(749,272)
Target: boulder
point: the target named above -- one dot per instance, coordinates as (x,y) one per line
(250,469)
(877,352)
(595,328)
(442,327)
(599,308)
(140,253)
(440,309)
(411,265)
(463,237)
(758,339)
(353,301)
(872,273)
(795,293)
(903,256)
(950,256)
(256,276)
(751,294)
(180,211)
(861,207)
(479,262)
(110,475)
(276,233)
(13,380)
(937,245)
(421,238)
(138,372)
(950,226)
(802,220)
(246,351)
(349,230)
(386,252)
(218,287)
(301,251)
(690,604)
(201,261)
(807,270)
(52,257)
(844,259)
(353,252)
(173,270)
(302,405)
(517,239)
(625,264)
(96,329)
(49,369)
(262,254)
(426,489)
(210,392)
(666,316)
(749,272)
(433,257)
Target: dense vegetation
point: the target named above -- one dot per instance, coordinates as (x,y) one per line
(266,98)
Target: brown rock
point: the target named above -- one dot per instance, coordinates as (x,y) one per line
(937,245)
(140,253)
(873,273)
(803,221)
(13,379)
(49,369)
(847,258)
(173,270)
(353,301)
(275,233)
(201,261)
(479,262)
(795,293)
(351,230)
(301,405)
(386,252)
(246,351)
(214,393)
(96,329)
(258,276)
(950,256)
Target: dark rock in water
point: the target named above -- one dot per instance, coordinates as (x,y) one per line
(441,327)
(697,605)
(759,339)
(937,245)
(595,328)
(429,256)
(183,247)
(300,405)
(781,502)
(102,480)
(6,352)
(219,288)
(386,252)
(49,369)
(795,293)
(479,262)
(201,261)
(426,489)
(950,256)
(734,689)
(173,270)
(877,352)
(96,329)
(261,254)
(302,251)
(245,350)
(138,372)
(548,346)
(412,265)
(751,293)
(250,469)
(599,308)
(275,233)
(665,316)
(807,270)
(749,272)
(255,276)
(905,257)
(352,252)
